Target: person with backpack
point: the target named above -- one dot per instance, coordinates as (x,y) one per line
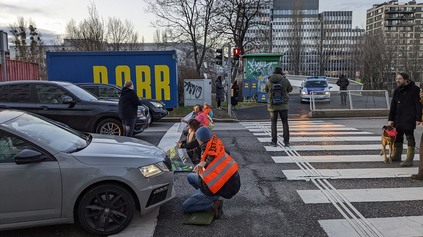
(215,176)
(277,88)
(343,84)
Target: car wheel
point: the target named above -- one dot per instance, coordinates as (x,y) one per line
(151,115)
(110,127)
(106,209)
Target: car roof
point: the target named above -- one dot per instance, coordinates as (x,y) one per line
(63,83)
(96,84)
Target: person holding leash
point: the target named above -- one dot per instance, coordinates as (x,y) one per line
(405,114)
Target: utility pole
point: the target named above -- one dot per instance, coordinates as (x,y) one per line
(3,48)
(228,88)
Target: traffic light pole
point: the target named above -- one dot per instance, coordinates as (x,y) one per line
(228,88)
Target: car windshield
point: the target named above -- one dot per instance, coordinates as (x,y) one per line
(316,84)
(80,93)
(50,133)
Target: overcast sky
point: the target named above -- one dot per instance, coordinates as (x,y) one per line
(51,16)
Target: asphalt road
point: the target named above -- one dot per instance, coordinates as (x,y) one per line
(269,203)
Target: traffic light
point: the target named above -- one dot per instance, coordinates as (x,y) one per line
(237,53)
(218,57)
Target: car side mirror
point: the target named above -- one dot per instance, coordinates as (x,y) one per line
(28,156)
(330,87)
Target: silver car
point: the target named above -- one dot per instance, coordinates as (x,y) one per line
(51,174)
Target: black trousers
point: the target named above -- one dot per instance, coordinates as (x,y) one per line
(274,119)
(409,135)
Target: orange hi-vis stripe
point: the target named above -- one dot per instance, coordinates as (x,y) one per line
(218,172)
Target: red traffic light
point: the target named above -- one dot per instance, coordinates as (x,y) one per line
(237,52)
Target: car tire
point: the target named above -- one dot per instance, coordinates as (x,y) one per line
(110,127)
(151,115)
(106,203)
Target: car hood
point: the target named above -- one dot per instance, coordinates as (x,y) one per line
(316,88)
(120,151)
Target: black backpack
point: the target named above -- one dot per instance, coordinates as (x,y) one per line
(278,94)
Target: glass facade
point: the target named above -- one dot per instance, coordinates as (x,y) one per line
(312,43)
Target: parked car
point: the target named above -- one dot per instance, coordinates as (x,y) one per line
(68,104)
(52,174)
(112,92)
(317,87)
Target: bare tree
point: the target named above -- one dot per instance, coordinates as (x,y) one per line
(32,51)
(187,21)
(295,44)
(234,19)
(121,34)
(88,35)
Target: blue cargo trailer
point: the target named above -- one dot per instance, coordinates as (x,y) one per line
(154,73)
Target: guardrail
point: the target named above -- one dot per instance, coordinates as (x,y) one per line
(359,103)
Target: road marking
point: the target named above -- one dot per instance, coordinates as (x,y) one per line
(368,173)
(362,147)
(340,158)
(391,226)
(326,139)
(321,133)
(307,129)
(366,195)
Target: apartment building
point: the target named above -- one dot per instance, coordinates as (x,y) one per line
(401,25)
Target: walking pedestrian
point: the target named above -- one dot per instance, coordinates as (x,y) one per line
(128,108)
(220,93)
(405,114)
(216,175)
(277,104)
(235,95)
(343,85)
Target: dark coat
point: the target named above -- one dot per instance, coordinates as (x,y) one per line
(128,104)
(405,107)
(343,83)
(235,97)
(220,93)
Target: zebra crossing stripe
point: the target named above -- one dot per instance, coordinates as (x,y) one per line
(390,226)
(307,129)
(366,195)
(326,139)
(368,173)
(340,158)
(328,148)
(321,133)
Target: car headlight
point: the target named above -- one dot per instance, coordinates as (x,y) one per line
(304,92)
(327,93)
(153,169)
(157,104)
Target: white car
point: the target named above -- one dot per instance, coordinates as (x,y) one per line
(316,87)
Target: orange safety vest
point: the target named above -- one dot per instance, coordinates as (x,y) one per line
(221,169)
(206,110)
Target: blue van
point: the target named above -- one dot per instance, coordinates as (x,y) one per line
(317,87)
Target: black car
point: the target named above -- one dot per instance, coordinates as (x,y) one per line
(112,92)
(68,104)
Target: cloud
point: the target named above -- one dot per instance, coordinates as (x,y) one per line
(21,9)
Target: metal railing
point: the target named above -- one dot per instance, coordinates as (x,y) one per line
(356,100)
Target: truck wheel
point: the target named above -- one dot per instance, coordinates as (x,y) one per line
(110,127)
(106,209)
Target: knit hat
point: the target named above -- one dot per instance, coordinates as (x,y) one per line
(203,134)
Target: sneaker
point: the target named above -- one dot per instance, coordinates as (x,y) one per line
(273,144)
(217,208)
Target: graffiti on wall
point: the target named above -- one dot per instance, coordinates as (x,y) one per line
(260,70)
(193,90)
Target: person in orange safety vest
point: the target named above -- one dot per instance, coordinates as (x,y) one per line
(215,170)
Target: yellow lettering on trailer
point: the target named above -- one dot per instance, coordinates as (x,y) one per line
(100,74)
(162,82)
(122,72)
(143,81)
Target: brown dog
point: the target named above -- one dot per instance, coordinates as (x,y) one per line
(388,139)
